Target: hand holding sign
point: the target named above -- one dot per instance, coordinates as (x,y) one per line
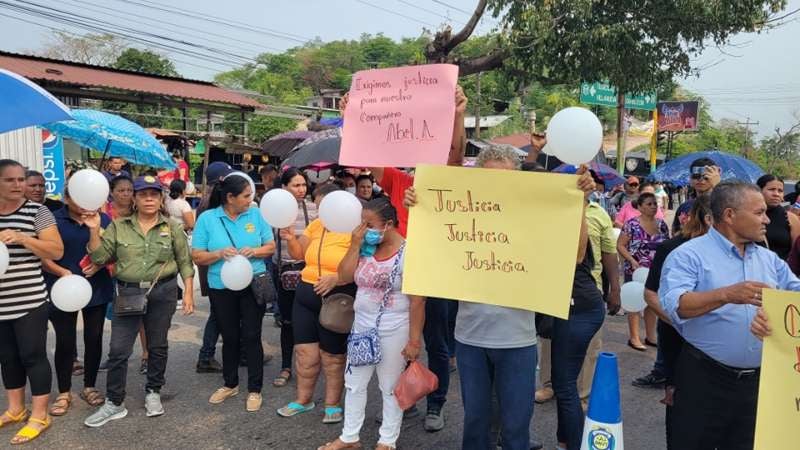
(400,117)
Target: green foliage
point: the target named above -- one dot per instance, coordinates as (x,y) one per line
(145,61)
(636,46)
(261,128)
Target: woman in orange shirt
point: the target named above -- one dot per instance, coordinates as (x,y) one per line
(316,346)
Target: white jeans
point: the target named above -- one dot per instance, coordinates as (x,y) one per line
(356,380)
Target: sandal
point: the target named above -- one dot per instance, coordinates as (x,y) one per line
(92,396)
(283,378)
(333,414)
(339,445)
(61,405)
(380,446)
(294,408)
(29,433)
(7,418)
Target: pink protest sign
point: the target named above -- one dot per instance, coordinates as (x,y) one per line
(399,117)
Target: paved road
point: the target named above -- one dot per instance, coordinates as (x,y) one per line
(192,423)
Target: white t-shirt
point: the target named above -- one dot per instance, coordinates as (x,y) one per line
(372,279)
(176,208)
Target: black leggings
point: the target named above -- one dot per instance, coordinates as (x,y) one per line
(239,321)
(23,352)
(65,326)
(285,306)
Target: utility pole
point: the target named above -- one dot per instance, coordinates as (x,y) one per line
(477,134)
(620,133)
(748,136)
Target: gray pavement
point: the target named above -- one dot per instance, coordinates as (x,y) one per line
(191,422)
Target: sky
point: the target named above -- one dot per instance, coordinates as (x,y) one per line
(755,79)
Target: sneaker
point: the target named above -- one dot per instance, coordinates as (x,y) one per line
(434,420)
(222,394)
(253,401)
(152,404)
(103,366)
(652,380)
(544,395)
(208,366)
(106,413)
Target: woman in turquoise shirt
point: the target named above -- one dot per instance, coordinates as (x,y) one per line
(228,228)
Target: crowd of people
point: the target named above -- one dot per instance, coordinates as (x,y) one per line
(141,250)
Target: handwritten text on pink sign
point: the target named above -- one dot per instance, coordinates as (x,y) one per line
(399,117)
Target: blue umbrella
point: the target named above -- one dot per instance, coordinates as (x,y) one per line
(676,171)
(114,136)
(24,103)
(609,176)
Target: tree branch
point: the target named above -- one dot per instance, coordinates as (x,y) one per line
(466,32)
(482,63)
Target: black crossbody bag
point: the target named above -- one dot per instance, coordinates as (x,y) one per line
(262,286)
(134,304)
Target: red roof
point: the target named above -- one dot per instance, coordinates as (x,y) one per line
(518,140)
(37,68)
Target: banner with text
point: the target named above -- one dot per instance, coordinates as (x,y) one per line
(399,117)
(53,153)
(500,237)
(779,387)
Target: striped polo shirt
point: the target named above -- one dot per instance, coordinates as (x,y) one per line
(22,287)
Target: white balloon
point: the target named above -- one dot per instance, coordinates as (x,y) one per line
(88,188)
(250,180)
(237,273)
(71,293)
(640,274)
(616,232)
(4,257)
(574,135)
(340,212)
(190,188)
(632,296)
(279,208)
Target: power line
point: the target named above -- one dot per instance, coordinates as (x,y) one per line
(163,22)
(132,30)
(99,25)
(90,37)
(453,7)
(429,11)
(218,20)
(396,13)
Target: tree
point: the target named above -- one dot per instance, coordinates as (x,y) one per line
(96,49)
(780,154)
(261,128)
(145,61)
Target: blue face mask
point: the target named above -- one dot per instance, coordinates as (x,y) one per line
(373,236)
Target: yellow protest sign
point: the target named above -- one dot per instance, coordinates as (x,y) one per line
(500,237)
(779,387)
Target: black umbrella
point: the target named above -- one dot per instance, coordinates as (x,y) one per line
(323,151)
(281,145)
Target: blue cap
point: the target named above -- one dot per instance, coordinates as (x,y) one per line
(216,171)
(146,182)
(604,404)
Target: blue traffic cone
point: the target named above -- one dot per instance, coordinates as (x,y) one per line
(603,427)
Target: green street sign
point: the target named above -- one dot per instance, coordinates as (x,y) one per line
(603,94)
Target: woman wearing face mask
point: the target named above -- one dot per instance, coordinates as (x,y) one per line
(316,346)
(288,269)
(783,228)
(374,261)
(348,181)
(637,246)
